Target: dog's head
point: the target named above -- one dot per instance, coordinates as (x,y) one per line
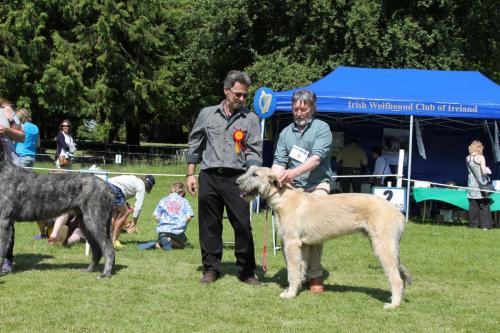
(257,180)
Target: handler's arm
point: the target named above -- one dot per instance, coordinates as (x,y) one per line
(15,131)
(139,199)
(197,139)
(191,183)
(281,158)
(289,175)
(277,169)
(321,149)
(310,164)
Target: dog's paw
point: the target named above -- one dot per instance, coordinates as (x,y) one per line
(287,294)
(391,306)
(104,275)
(87,270)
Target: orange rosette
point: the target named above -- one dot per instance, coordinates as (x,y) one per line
(238,137)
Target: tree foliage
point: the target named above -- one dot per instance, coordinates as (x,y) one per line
(149,65)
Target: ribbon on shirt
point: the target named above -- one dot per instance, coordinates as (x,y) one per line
(238,137)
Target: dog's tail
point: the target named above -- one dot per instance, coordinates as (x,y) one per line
(405,274)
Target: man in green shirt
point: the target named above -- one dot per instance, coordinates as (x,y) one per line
(302,159)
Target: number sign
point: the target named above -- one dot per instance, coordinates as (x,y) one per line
(395,195)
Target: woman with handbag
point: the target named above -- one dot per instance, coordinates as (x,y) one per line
(65,145)
(479,203)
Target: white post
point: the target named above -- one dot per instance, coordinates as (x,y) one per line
(262,129)
(401,163)
(408,185)
(273,225)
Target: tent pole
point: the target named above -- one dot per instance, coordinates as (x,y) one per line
(408,185)
(262,130)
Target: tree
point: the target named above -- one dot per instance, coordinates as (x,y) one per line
(86,59)
(151,65)
(218,39)
(128,48)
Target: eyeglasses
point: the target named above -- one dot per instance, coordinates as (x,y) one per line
(238,95)
(64,125)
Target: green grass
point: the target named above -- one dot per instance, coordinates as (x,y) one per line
(456,273)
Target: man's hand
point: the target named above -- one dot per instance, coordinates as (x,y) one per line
(287,176)
(191,185)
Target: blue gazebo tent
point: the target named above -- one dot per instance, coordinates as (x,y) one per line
(451,105)
(431,93)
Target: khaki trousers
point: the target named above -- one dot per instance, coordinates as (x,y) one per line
(312,253)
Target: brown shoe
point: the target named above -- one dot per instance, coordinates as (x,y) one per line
(316,285)
(208,277)
(251,280)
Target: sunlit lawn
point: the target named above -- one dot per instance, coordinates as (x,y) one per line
(456,273)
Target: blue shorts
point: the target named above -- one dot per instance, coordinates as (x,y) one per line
(119,197)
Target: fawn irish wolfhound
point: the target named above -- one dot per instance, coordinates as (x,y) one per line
(305,218)
(27,196)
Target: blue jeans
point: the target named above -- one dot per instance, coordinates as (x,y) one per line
(26,161)
(169,240)
(119,197)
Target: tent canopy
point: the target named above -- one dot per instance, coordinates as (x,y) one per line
(403,92)
(363,101)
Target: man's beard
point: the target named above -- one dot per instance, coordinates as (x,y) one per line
(237,105)
(301,122)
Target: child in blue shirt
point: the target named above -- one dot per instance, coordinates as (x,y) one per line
(173,213)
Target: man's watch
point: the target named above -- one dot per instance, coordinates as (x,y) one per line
(189,175)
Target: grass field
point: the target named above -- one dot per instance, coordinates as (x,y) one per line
(456,288)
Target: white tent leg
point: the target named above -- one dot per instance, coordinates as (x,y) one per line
(273,226)
(262,129)
(408,185)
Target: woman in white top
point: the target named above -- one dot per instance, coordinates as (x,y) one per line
(65,145)
(479,203)
(65,148)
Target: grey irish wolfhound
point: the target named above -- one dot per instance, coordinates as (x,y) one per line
(305,218)
(27,196)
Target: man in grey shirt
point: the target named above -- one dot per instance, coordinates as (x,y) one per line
(225,140)
(302,158)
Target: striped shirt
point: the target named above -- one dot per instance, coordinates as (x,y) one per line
(212,140)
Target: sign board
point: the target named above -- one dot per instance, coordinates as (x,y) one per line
(264,102)
(395,195)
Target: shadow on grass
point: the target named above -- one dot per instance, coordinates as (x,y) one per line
(135,244)
(27,261)
(229,268)
(378,294)
(281,279)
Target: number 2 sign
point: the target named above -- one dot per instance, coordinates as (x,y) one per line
(395,195)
